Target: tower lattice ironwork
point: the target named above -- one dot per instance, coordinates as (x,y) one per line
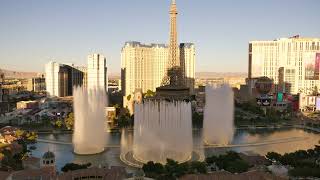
(174,71)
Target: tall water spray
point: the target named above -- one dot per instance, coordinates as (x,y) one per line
(89,135)
(162,130)
(218,126)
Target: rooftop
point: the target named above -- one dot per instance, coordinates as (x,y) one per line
(224,175)
(114,173)
(48,155)
(293,38)
(46,173)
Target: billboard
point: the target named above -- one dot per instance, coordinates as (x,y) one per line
(264,100)
(318,103)
(312,64)
(279,97)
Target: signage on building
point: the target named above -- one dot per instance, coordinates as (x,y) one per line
(279,97)
(264,101)
(318,103)
(312,67)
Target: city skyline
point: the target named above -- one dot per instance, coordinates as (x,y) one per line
(42,31)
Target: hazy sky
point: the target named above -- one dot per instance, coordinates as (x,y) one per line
(33,32)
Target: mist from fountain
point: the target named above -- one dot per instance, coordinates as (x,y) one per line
(218,125)
(89,135)
(162,130)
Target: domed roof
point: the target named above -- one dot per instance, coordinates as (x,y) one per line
(48,155)
(264,85)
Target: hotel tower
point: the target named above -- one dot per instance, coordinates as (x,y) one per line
(293,63)
(145,66)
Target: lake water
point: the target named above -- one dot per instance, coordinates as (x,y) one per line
(258,141)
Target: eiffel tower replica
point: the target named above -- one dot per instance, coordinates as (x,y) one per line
(173,85)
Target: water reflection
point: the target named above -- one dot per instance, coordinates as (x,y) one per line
(65,155)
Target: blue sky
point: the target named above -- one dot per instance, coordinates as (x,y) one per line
(33,32)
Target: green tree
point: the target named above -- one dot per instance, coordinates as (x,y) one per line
(315,91)
(153,170)
(273,156)
(31,137)
(19,133)
(199,167)
(305,172)
(118,108)
(211,159)
(129,97)
(69,121)
(149,93)
(58,123)
(197,120)
(73,166)
(237,166)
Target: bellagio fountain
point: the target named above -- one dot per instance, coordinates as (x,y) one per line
(163,123)
(163,130)
(89,135)
(218,127)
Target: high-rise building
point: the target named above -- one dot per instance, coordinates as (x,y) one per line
(187,64)
(61,78)
(37,84)
(97,72)
(292,63)
(79,76)
(145,67)
(1,77)
(58,79)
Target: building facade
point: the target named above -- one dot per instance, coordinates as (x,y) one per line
(61,78)
(57,79)
(144,66)
(292,63)
(37,84)
(97,76)
(150,66)
(27,104)
(187,63)
(79,76)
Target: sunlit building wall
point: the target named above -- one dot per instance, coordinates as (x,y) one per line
(187,62)
(143,66)
(295,60)
(97,76)
(37,84)
(61,78)
(58,80)
(79,76)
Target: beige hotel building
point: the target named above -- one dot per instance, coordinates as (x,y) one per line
(293,63)
(144,66)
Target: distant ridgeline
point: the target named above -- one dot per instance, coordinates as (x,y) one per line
(18,75)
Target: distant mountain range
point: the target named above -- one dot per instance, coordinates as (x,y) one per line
(19,74)
(221,74)
(201,75)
